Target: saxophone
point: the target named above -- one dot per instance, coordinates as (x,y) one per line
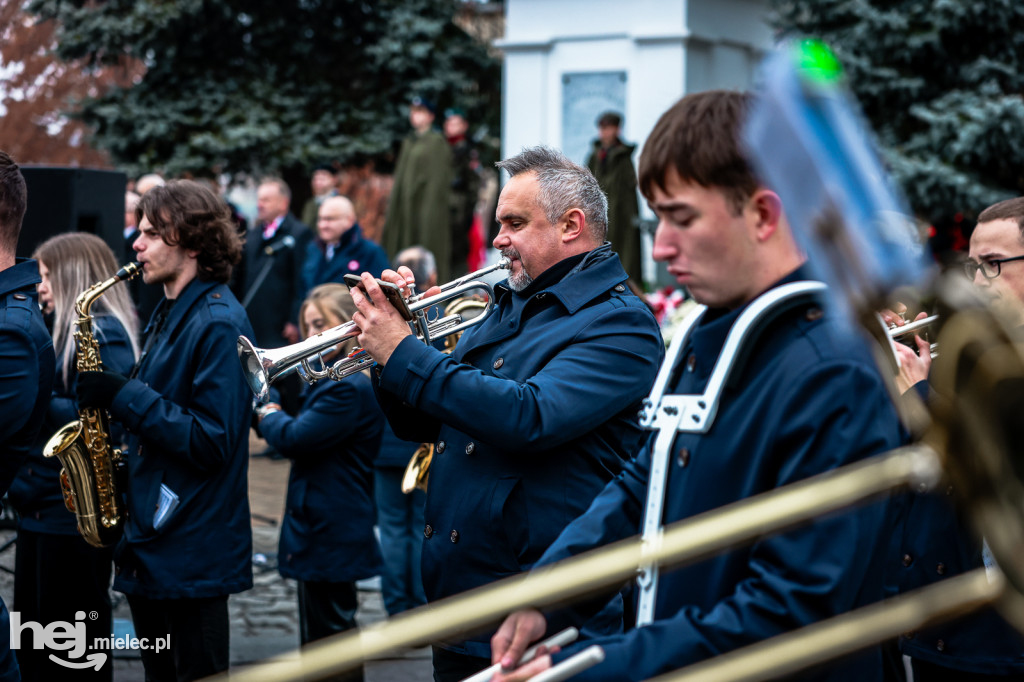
(83,446)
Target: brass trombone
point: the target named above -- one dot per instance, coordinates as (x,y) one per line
(979,381)
(263,366)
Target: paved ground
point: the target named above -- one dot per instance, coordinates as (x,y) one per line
(264,620)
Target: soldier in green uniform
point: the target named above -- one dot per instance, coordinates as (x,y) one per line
(611,162)
(418,211)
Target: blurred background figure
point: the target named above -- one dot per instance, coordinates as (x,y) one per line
(465,187)
(57,573)
(611,162)
(148,182)
(274,252)
(400,515)
(339,248)
(327,541)
(324,185)
(418,209)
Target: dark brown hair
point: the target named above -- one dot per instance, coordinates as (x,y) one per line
(699,137)
(13,201)
(188,214)
(1010,209)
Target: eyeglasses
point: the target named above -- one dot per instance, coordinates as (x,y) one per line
(990,269)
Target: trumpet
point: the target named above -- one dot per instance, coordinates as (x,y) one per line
(262,366)
(897,334)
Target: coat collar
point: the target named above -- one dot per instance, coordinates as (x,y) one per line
(710,335)
(192,292)
(599,271)
(24,274)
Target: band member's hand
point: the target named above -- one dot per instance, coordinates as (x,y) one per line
(914,366)
(98,389)
(263,410)
(514,637)
(382,327)
(894,317)
(538,665)
(403,278)
(290,332)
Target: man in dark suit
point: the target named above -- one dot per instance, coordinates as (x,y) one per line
(274,266)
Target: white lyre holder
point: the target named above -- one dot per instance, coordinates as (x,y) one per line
(669,415)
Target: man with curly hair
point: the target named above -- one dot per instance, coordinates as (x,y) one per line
(187,543)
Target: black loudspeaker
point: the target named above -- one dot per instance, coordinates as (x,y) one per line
(73,200)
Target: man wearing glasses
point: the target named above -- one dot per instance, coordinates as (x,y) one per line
(933,541)
(996,255)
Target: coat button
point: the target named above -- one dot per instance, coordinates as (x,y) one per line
(813,314)
(691,362)
(498,363)
(620,288)
(470,447)
(907,559)
(440,446)
(20,297)
(215,295)
(683,457)
(455,536)
(941,569)
(427,531)
(940,645)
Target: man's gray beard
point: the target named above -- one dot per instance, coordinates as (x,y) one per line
(518,282)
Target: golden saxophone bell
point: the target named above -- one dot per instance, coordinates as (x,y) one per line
(418,469)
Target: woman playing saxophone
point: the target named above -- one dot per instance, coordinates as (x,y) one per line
(56,572)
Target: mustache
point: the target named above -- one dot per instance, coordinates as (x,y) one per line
(510,252)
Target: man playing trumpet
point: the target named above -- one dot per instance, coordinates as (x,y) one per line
(535,411)
(807,400)
(933,541)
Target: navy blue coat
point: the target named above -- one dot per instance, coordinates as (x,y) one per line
(531,415)
(36,492)
(808,401)
(353,255)
(327,532)
(26,379)
(932,542)
(188,413)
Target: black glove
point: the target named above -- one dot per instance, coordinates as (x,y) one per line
(98,389)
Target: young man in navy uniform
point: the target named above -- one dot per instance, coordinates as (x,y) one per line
(806,401)
(535,411)
(188,543)
(26,360)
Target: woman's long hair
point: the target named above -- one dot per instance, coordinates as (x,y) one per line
(76,261)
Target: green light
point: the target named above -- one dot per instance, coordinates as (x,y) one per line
(817,63)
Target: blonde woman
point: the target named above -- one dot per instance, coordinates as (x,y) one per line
(327,541)
(56,573)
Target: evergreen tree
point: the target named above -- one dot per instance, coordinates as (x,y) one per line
(269,85)
(940,82)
